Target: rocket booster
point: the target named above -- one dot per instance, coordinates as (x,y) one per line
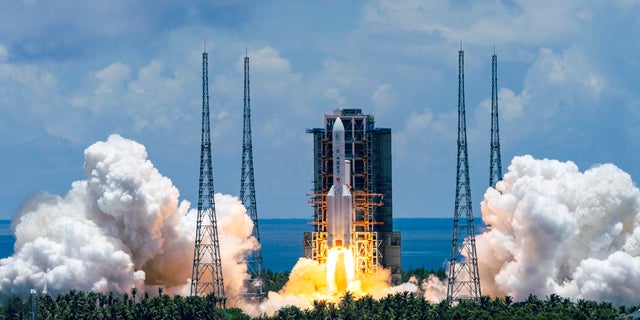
(339,205)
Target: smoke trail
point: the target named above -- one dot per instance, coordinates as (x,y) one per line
(558,230)
(122,227)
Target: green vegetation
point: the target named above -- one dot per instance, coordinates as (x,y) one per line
(274,281)
(409,306)
(135,305)
(423,274)
(80,305)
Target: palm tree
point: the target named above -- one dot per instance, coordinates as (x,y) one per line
(508,300)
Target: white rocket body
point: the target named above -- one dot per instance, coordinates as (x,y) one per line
(339,205)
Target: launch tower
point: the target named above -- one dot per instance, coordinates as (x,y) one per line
(463,277)
(255,287)
(368,150)
(206,275)
(495,163)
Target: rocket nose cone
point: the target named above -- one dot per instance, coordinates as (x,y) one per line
(338,125)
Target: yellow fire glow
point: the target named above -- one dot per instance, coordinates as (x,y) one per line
(310,281)
(341,271)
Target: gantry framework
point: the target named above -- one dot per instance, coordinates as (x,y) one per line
(495,163)
(255,286)
(360,149)
(463,278)
(206,275)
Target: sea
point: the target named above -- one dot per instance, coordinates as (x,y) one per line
(6,239)
(425,242)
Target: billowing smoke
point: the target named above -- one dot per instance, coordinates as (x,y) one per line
(235,228)
(553,229)
(122,227)
(433,289)
(308,282)
(557,230)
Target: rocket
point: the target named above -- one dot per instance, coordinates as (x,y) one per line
(339,205)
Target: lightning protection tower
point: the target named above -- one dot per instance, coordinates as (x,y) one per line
(255,287)
(206,276)
(495,163)
(463,277)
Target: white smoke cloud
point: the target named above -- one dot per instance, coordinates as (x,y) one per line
(554,230)
(558,230)
(308,283)
(235,228)
(433,289)
(122,227)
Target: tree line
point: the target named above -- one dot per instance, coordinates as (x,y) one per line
(411,306)
(92,305)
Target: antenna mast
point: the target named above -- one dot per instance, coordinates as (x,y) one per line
(206,276)
(463,277)
(255,287)
(495,163)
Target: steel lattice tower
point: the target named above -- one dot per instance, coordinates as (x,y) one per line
(206,276)
(463,278)
(495,163)
(255,288)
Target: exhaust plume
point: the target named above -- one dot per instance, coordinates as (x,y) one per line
(308,282)
(556,230)
(122,227)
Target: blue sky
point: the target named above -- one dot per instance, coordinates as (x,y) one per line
(74,72)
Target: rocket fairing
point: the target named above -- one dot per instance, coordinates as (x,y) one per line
(339,205)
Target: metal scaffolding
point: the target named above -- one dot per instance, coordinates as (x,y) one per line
(495,163)
(255,286)
(206,275)
(463,277)
(371,190)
